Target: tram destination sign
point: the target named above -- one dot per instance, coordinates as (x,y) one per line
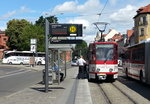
(66,30)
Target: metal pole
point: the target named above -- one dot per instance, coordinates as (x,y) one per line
(33,60)
(65,66)
(101,35)
(46,54)
(58,67)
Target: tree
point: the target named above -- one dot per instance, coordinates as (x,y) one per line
(14,32)
(41,20)
(81,49)
(33,31)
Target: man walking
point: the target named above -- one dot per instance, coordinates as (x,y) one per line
(81,62)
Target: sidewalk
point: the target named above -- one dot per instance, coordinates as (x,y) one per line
(70,91)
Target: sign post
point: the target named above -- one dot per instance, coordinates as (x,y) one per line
(33,44)
(46,54)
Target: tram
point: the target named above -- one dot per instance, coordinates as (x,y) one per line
(103,61)
(136,62)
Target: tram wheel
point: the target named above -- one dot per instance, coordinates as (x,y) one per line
(89,79)
(141,77)
(126,72)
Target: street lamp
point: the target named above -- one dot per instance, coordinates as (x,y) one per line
(103,24)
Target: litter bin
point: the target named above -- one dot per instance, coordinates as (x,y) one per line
(50,76)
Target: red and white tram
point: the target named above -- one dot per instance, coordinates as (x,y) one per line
(103,62)
(136,62)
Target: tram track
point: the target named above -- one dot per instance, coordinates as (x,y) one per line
(113,95)
(134,102)
(104,95)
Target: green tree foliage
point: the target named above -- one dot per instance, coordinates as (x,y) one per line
(14,32)
(41,20)
(33,31)
(81,49)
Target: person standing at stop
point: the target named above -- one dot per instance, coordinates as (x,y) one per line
(81,62)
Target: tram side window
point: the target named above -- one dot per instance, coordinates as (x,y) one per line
(141,55)
(138,55)
(134,55)
(126,56)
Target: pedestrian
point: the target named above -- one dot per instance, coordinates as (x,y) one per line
(56,69)
(81,62)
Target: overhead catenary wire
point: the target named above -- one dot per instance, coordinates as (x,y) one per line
(102,10)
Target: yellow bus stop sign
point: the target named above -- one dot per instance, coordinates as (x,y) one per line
(73,29)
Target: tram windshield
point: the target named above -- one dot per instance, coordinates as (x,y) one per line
(104,52)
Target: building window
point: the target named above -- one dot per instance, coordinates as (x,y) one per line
(143,20)
(5,39)
(142,32)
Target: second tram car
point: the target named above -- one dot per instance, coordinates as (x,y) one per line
(103,62)
(136,62)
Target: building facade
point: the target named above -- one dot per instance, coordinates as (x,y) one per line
(3,41)
(142,24)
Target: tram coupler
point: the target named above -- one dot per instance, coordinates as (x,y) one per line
(101,77)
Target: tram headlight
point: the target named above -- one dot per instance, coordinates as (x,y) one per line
(98,69)
(110,70)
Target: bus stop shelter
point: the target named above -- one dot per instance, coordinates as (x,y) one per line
(57,56)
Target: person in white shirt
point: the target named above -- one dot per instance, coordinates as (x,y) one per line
(81,62)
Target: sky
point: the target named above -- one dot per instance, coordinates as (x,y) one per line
(118,13)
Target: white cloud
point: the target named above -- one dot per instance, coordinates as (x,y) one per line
(124,15)
(123,18)
(79,21)
(90,5)
(2,28)
(22,9)
(89,38)
(9,14)
(74,6)
(66,7)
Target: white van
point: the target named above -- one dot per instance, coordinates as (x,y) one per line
(15,61)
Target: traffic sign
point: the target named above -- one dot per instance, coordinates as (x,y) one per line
(72,29)
(33,48)
(33,41)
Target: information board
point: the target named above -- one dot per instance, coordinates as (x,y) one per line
(66,30)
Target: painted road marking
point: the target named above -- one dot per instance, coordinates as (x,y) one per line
(11,74)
